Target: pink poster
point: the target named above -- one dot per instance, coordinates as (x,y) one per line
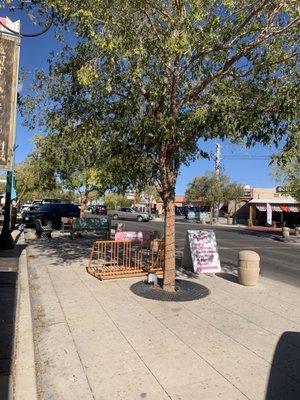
(131,236)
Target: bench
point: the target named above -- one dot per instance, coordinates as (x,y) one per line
(99,225)
(42,231)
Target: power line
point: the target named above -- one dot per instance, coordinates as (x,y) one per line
(245,157)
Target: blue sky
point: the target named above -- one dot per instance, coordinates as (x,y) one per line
(254,171)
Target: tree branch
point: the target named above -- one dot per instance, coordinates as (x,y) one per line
(223,45)
(159,10)
(263,36)
(152,25)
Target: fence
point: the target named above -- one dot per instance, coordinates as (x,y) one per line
(110,259)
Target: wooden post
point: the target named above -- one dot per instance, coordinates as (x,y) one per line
(250,220)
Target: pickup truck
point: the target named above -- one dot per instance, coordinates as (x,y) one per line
(129,213)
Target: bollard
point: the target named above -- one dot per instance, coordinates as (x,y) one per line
(248,267)
(229,220)
(286,233)
(297,231)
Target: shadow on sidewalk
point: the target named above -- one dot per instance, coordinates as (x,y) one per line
(9,260)
(63,247)
(284,378)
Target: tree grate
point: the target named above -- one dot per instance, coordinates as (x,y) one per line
(185,291)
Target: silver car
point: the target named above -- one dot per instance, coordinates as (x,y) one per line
(129,213)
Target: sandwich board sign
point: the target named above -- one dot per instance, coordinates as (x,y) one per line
(200,252)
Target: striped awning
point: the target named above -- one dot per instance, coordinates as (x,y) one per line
(279,208)
(285,207)
(294,209)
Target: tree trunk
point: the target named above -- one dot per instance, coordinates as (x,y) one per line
(211,214)
(21,196)
(83,204)
(169,270)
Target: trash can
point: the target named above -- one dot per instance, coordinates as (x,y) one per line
(248,267)
(286,233)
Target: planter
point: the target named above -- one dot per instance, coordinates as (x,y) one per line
(248,267)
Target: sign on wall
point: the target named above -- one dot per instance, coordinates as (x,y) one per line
(200,252)
(9,59)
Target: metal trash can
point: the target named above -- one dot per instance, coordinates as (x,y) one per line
(248,267)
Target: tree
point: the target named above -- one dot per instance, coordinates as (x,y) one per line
(287,166)
(75,163)
(31,180)
(115,200)
(213,189)
(160,75)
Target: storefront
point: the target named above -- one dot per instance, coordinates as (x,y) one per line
(282,213)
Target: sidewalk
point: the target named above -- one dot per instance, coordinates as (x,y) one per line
(99,340)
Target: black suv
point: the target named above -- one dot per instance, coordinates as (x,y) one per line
(51,214)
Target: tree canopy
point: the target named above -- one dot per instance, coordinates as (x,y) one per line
(213,189)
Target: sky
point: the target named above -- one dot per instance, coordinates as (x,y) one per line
(244,166)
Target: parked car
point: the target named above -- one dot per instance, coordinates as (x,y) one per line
(51,214)
(25,206)
(129,213)
(99,209)
(181,210)
(30,207)
(44,201)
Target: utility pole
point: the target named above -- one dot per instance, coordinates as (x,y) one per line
(217,157)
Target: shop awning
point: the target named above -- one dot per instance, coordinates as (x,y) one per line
(279,208)
(261,208)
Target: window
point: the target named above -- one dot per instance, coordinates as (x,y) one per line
(45,207)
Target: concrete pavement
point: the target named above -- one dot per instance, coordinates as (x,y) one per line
(99,340)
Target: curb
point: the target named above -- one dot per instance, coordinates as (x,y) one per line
(24,385)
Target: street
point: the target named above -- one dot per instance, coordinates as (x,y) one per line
(279,261)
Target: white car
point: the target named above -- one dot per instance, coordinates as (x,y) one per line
(130,214)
